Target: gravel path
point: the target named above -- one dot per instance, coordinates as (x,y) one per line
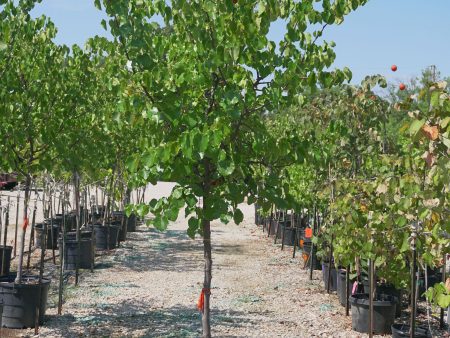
(149,288)
(150,285)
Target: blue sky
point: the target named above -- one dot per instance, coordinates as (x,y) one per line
(412,34)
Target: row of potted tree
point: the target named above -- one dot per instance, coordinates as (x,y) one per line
(378,170)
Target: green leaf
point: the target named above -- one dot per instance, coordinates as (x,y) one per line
(405,243)
(193,227)
(3,46)
(177,193)
(226,167)
(443,300)
(225,219)
(435,98)
(160,222)
(416,126)
(143,210)
(193,222)
(348,74)
(172,214)
(446,141)
(98,4)
(238,216)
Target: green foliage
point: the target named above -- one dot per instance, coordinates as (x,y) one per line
(376,168)
(207,79)
(439,295)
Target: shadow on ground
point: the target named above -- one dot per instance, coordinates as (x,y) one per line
(131,319)
(172,250)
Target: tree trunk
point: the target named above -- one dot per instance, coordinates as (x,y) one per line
(24,229)
(206,225)
(76,185)
(208,276)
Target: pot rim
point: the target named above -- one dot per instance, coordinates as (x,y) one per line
(363,299)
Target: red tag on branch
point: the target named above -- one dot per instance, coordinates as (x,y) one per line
(308,233)
(201,299)
(25,224)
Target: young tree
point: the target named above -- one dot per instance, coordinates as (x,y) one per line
(34,104)
(206,74)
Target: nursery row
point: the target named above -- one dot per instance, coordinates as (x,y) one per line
(352,286)
(201,96)
(72,236)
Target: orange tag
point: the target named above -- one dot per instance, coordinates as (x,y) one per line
(308,233)
(301,243)
(201,299)
(25,224)
(305,257)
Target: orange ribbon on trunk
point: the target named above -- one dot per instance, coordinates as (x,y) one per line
(25,224)
(201,299)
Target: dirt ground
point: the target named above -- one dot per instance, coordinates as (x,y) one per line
(150,285)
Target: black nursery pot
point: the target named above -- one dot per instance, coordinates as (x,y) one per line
(388,289)
(340,287)
(117,216)
(264,223)
(131,223)
(289,234)
(383,313)
(20,301)
(40,235)
(57,219)
(95,217)
(7,252)
(101,236)
(402,331)
(72,235)
(315,261)
(122,230)
(333,276)
(272,227)
(119,219)
(71,221)
(71,253)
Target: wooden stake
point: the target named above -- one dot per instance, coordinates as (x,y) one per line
(311,261)
(5,236)
(413,284)
(347,295)
(92,239)
(17,221)
(330,258)
(277,225)
(444,271)
(1,213)
(44,212)
(33,223)
(62,256)
(41,273)
(371,294)
(284,231)
(76,183)
(51,228)
(18,279)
